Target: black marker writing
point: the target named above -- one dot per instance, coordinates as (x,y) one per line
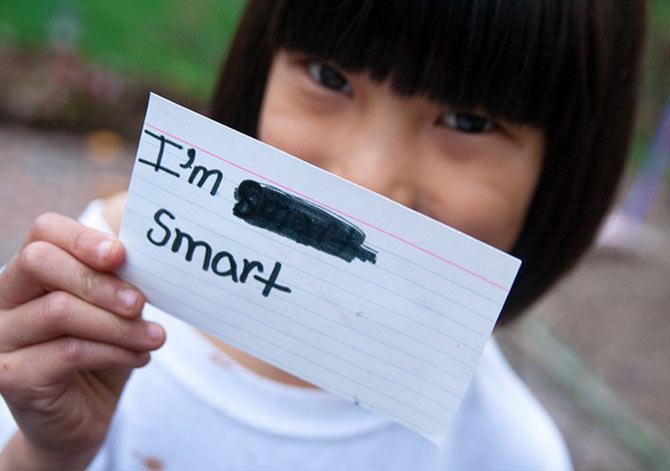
(157,165)
(198,172)
(221,263)
(204,173)
(287,215)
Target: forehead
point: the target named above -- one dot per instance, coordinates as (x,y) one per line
(500,56)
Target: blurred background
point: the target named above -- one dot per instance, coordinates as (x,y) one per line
(74,79)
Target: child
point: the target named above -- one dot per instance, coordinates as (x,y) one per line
(507,120)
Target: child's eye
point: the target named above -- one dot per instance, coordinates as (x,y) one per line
(329,77)
(467,122)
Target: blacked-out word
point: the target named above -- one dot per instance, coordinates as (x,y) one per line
(269,208)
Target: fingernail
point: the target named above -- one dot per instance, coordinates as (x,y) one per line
(105,248)
(155,331)
(128,297)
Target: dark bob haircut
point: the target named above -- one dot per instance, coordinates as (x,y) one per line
(570,67)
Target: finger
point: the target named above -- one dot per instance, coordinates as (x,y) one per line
(34,369)
(92,247)
(59,314)
(41,267)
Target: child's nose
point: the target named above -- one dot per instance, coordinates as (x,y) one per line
(377,161)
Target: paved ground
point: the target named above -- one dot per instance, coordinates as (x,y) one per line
(596,351)
(47,171)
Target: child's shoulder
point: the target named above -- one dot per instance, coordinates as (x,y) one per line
(503,419)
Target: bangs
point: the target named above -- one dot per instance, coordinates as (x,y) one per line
(513,59)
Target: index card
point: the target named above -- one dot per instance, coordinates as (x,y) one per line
(325,279)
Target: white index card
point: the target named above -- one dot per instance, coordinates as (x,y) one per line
(325,279)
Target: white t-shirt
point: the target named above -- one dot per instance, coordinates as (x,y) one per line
(194,408)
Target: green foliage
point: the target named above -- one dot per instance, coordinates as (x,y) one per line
(656,80)
(177,44)
(657,60)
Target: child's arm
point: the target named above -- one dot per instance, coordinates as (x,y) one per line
(70,334)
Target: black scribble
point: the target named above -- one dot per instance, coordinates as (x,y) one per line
(269,208)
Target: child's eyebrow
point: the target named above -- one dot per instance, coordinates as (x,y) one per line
(423,87)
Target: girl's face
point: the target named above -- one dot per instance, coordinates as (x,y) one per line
(460,167)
